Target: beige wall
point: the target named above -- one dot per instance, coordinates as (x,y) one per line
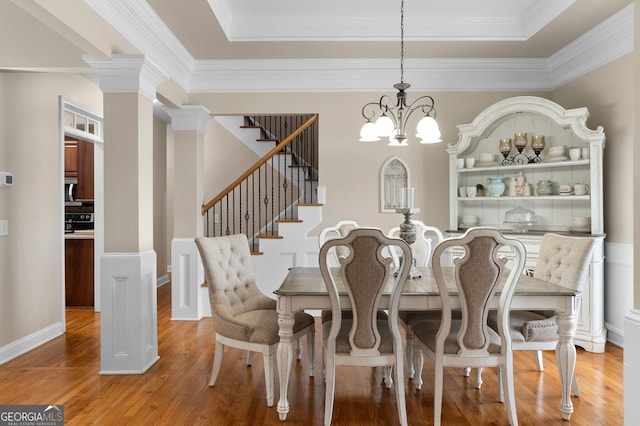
(30,148)
(219,147)
(608,95)
(30,297)
(350,169)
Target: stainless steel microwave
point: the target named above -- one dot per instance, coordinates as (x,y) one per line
(71,192)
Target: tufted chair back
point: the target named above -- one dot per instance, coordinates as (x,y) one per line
(232,288)
(564,260)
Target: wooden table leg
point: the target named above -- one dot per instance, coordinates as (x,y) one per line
(566,359)
(286,320)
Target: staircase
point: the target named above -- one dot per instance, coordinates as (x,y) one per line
(274,202)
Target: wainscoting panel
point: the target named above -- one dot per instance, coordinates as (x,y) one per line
(129,318)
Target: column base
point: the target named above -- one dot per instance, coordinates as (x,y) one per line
(186,277)
(129,314)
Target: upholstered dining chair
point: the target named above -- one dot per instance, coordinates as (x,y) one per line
(563,260)
(427,237)
(362,339)
(341,230)
(243,317)
(469,341)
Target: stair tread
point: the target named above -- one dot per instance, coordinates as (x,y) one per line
(269,236)
(310,204)
(250,127)
(289,220)
(267,140)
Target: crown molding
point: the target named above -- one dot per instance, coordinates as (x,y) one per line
(143,28)
(364,75)
(605,43)
(189,117)
(127,74)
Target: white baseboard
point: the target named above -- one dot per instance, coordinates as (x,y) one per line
(615,335)
(32,341)
(162,280)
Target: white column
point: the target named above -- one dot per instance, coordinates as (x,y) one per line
(189,300)
(128,318)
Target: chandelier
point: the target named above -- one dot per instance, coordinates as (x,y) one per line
(392,118)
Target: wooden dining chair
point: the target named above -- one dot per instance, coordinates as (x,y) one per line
(469,341)
(362,339)
(243,317)
(341,230)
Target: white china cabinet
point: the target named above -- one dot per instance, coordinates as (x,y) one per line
(540,191)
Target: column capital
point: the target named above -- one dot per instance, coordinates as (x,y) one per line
(128,74)
(189,117)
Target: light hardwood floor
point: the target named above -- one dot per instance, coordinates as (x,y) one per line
(174,390)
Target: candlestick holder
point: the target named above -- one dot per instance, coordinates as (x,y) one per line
(408,234)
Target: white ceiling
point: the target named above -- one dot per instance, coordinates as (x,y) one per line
(360,20)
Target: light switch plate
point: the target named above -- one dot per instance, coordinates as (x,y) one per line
(4,228)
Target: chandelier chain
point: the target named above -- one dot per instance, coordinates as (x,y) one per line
(402,41)
(392,117)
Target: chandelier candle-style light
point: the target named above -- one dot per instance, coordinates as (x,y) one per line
(392,119)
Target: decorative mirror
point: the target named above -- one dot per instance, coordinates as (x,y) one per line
(394,183)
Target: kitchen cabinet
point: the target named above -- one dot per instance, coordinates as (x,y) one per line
(70,157)
(553,209)
(85,171)
(78,163)
(79,271)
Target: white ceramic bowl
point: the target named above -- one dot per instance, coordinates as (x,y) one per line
(470,220)
(486,157)
(558,151)
(580,221)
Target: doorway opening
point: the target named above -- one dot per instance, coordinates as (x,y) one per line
(82,187)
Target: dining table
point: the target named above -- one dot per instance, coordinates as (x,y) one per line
(304,289)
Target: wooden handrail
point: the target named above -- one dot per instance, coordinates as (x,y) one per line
(259,163)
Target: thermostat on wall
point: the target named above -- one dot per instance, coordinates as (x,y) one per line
(6,179)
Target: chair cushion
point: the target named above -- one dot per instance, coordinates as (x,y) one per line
(530,326)
(426,332)
(342,341)
(261,326)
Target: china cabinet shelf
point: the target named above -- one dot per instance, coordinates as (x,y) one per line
(528,166)
(560,129)
(526,198)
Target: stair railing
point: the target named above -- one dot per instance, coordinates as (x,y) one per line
(268,191)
